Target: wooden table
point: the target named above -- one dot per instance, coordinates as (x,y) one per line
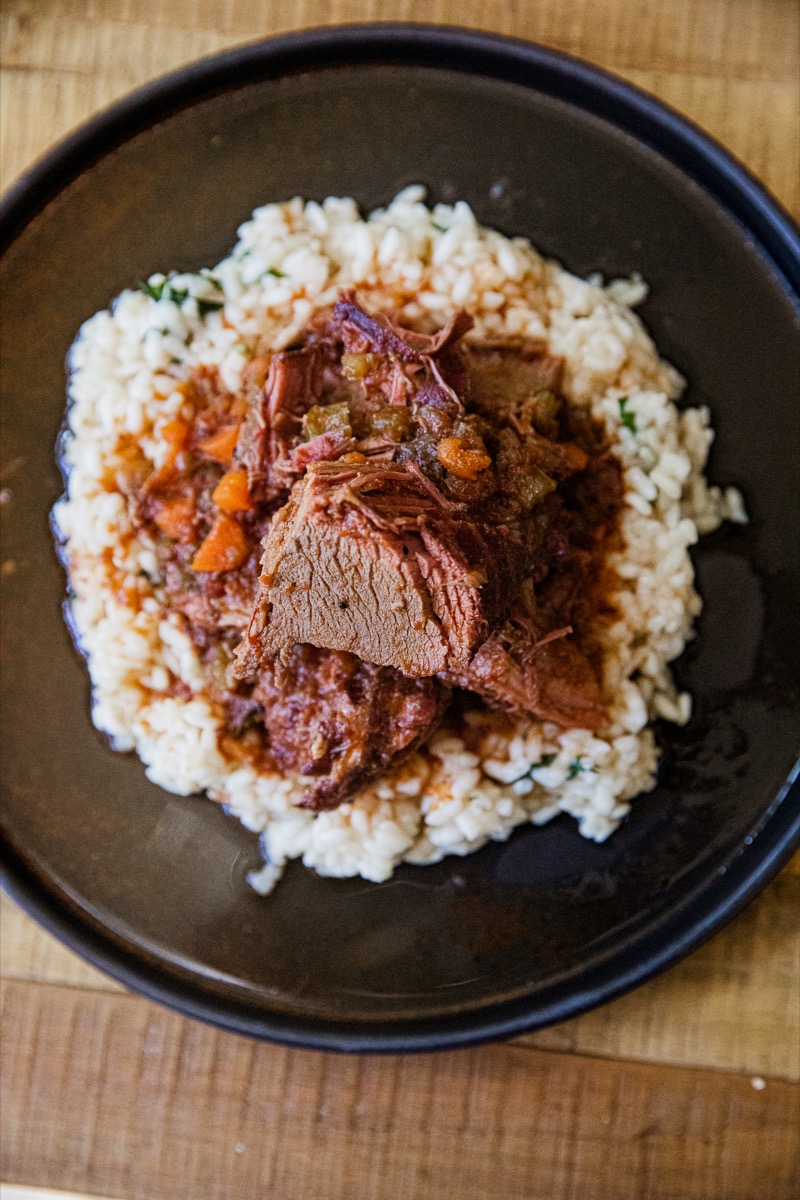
(686,1088)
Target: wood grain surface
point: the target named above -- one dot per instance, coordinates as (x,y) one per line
(151,1105)
(686,1088)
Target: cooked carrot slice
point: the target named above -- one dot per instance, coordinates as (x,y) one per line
(576,458)
(231,493)
(224,548)
(221,445)
(176,433)
(175,518)
(461,461)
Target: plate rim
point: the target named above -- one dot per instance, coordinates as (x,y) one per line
(647,118)
(697,155)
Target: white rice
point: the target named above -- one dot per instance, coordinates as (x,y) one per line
(290,260)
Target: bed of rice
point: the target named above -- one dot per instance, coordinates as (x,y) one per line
(291,259)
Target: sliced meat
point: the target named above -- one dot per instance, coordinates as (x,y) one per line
(371,559)
(342,721)
(528,673)
(274,423)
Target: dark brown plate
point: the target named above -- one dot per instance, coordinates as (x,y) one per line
(152,887)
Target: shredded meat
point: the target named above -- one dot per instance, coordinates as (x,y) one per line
(412,563)
(371,559)
(522,668)
(383,336)
(420,514)
(342,721)
(273,425)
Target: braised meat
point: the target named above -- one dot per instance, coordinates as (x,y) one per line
(321,713)
(342,721)
(273,425)
(516,379)
(382,515)
(526,667)
(371,559)
(414,560)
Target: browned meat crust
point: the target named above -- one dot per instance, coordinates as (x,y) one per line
(342,721)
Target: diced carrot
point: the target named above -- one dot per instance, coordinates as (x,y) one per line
(224,548)
(459,460)
(176,434)
(577,459)
(221,445)
(175,518)
(231,493)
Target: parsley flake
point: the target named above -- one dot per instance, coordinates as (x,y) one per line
(545,761)
(163,291)
(628,418)
(577,768)
(204,307)
(167,291)
(212,279)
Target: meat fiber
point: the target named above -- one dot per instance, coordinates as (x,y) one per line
(421,514)
(273,425)
(372,560)
(523,670)
(341,721)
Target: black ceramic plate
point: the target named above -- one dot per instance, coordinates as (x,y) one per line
(152,887)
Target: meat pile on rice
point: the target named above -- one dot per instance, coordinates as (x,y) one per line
(387,570)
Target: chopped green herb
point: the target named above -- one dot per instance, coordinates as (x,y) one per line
(163,291)
(628,418)
(439,228)
(275,273)
(212,279)
(204,307)
(545,761)
(152,290)
(576,768)
(239,347)
(166,291)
